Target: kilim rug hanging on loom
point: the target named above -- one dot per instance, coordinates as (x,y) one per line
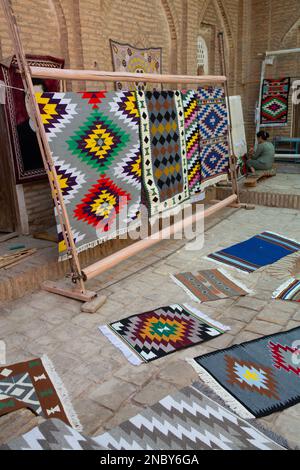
(127,58)
(213,128)
(157,333)
(275,101)
(290,290)
(35,385)
(189,420)
(210,284)
(94,138)
(164,158)
(256,252)
(255,378)
(191,122)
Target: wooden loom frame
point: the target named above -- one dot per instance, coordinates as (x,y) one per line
(79,276)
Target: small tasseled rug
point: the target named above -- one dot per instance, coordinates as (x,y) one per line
(154,334)
(255,378)
(209,284)
(35,385)
(258,251)
(290,290)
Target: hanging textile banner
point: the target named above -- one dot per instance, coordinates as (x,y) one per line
(191,123)
(164,156)
(275,102)
(238,134)
(94,139)
(127,58)
(213,128)
(28,163)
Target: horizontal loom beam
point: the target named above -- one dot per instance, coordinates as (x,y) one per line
(96,75)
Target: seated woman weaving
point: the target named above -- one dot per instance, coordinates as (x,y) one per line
(263,157)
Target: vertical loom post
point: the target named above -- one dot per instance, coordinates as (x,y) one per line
(232,157)
(42,140)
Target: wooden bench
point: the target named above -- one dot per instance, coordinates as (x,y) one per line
(251,181)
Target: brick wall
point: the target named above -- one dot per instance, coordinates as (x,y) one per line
(79,31)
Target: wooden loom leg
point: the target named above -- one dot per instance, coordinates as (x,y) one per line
(67,291)
(43,144)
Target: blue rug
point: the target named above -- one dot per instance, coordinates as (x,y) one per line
(256,252)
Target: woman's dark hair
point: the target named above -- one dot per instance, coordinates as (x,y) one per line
(263,134)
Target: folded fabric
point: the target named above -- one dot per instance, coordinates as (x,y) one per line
(209,284)
(94,139)
(154,334)
(35,385)
(256,252)
(290,290)
(255,378)
(164,156)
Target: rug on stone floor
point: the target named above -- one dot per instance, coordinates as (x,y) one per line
(189,419)
(213,129)
(275,101)
(52,434)
(255,378)
(164,156)
(209,285)
(191,123)
(258,251)
(127,58)
(94,139)
(35,385)
(154,334)
(290,290)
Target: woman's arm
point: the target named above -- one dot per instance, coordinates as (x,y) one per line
(257,152)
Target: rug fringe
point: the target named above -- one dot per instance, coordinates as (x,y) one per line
(62,393)
(100,241)
(203,316)
(214,181)
(186,290)
(235,281)
(198,197)
(282,287)
(228,399)
(125,350)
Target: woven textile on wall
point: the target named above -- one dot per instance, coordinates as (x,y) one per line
(275,101)
(27,159)
(94,139)
(127,58)
(164,156)
(213,128)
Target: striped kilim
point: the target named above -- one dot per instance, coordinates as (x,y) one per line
(165,173)
(290,290)
(275,101)
(261,250)
(209,285)
(188,420)
(191,122)
(94,139)
(156,333)
(213,128)
(258,377)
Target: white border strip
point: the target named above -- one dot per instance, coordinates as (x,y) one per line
(125,350)
(186,290)
(229,399)
(62,393)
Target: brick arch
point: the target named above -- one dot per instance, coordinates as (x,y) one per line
(173,36)
(292,29)
(56,7)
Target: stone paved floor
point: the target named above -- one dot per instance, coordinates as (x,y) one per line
(105,389)
(282,183)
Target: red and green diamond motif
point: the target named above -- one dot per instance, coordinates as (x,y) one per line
(98,141)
